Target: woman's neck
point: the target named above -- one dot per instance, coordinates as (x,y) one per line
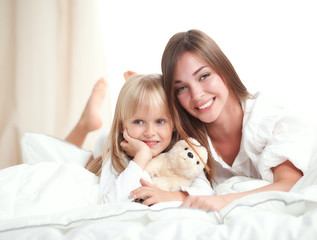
(226,132)
(228,125)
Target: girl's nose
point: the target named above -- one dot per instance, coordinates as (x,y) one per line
(149,131)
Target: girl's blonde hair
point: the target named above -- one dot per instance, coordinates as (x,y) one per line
(200,44)
(139,93)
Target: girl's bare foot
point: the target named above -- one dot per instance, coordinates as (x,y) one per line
(127,74)
(90,119)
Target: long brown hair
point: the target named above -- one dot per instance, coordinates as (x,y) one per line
(200,44)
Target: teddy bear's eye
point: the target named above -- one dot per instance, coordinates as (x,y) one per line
(197,162)
(186,148)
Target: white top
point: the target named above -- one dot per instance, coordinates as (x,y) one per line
(271,134)
(117,187)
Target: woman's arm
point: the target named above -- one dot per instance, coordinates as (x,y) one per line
(285,176)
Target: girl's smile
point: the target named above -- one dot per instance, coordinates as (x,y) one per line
(150,143)
(154,128)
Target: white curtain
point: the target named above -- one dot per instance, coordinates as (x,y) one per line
(51,54)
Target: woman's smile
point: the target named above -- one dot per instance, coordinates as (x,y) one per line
(207,106)
(200,90)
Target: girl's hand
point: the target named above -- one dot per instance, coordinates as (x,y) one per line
(132,145)
(207,203)
(139,150)
(152,194)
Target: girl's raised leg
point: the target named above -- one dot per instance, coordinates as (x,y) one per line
(90,119)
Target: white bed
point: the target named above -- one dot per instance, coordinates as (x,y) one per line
(52,196)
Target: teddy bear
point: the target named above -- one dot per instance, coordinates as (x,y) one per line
(179,166)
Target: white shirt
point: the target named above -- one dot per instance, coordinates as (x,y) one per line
(271,134)
(116,187)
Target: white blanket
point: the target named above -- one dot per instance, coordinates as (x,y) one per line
(58,200)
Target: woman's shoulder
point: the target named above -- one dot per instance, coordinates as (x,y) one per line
(264,114)
(263,107)
(262,101)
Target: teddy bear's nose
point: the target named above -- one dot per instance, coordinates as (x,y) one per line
(189,154)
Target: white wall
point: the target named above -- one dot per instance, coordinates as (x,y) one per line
(272,43)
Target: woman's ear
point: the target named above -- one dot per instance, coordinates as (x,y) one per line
(128,74)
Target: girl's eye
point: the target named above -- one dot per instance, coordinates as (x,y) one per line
(160,122)
(204,76)
(138,121)
(178,90)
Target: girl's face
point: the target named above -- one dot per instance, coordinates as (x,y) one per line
(155,128)
(199,89)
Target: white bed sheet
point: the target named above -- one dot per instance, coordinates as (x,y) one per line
(58,200)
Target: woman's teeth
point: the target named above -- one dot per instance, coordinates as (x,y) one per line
(206,104)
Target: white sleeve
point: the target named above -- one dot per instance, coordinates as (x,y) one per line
(291,140)
(272,134)
(117,187)
(199,186)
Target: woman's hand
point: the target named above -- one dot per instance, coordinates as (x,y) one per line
(153,194)
(285,176)
(139,150)
(207,203)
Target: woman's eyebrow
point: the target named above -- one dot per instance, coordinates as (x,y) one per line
(198,70)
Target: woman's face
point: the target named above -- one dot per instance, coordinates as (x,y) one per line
(199,89)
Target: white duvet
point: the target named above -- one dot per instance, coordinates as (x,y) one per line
(52,196)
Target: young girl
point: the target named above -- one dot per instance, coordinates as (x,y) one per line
(142,128)
(247,135)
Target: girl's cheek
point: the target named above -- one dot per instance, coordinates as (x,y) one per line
(132,132)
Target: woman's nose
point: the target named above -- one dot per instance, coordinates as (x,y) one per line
(196,92)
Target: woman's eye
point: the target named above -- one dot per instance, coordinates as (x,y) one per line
(178,90)
(204,76)
(161,121)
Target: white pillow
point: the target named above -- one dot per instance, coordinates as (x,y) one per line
(38,148)
(100,144)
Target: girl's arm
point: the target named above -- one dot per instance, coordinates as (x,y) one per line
(134,147)
(153,194)
(285,176)
(117,187)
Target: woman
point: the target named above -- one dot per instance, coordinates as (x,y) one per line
(246,135)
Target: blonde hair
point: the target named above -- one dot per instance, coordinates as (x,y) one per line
(139,93)
(200,44)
